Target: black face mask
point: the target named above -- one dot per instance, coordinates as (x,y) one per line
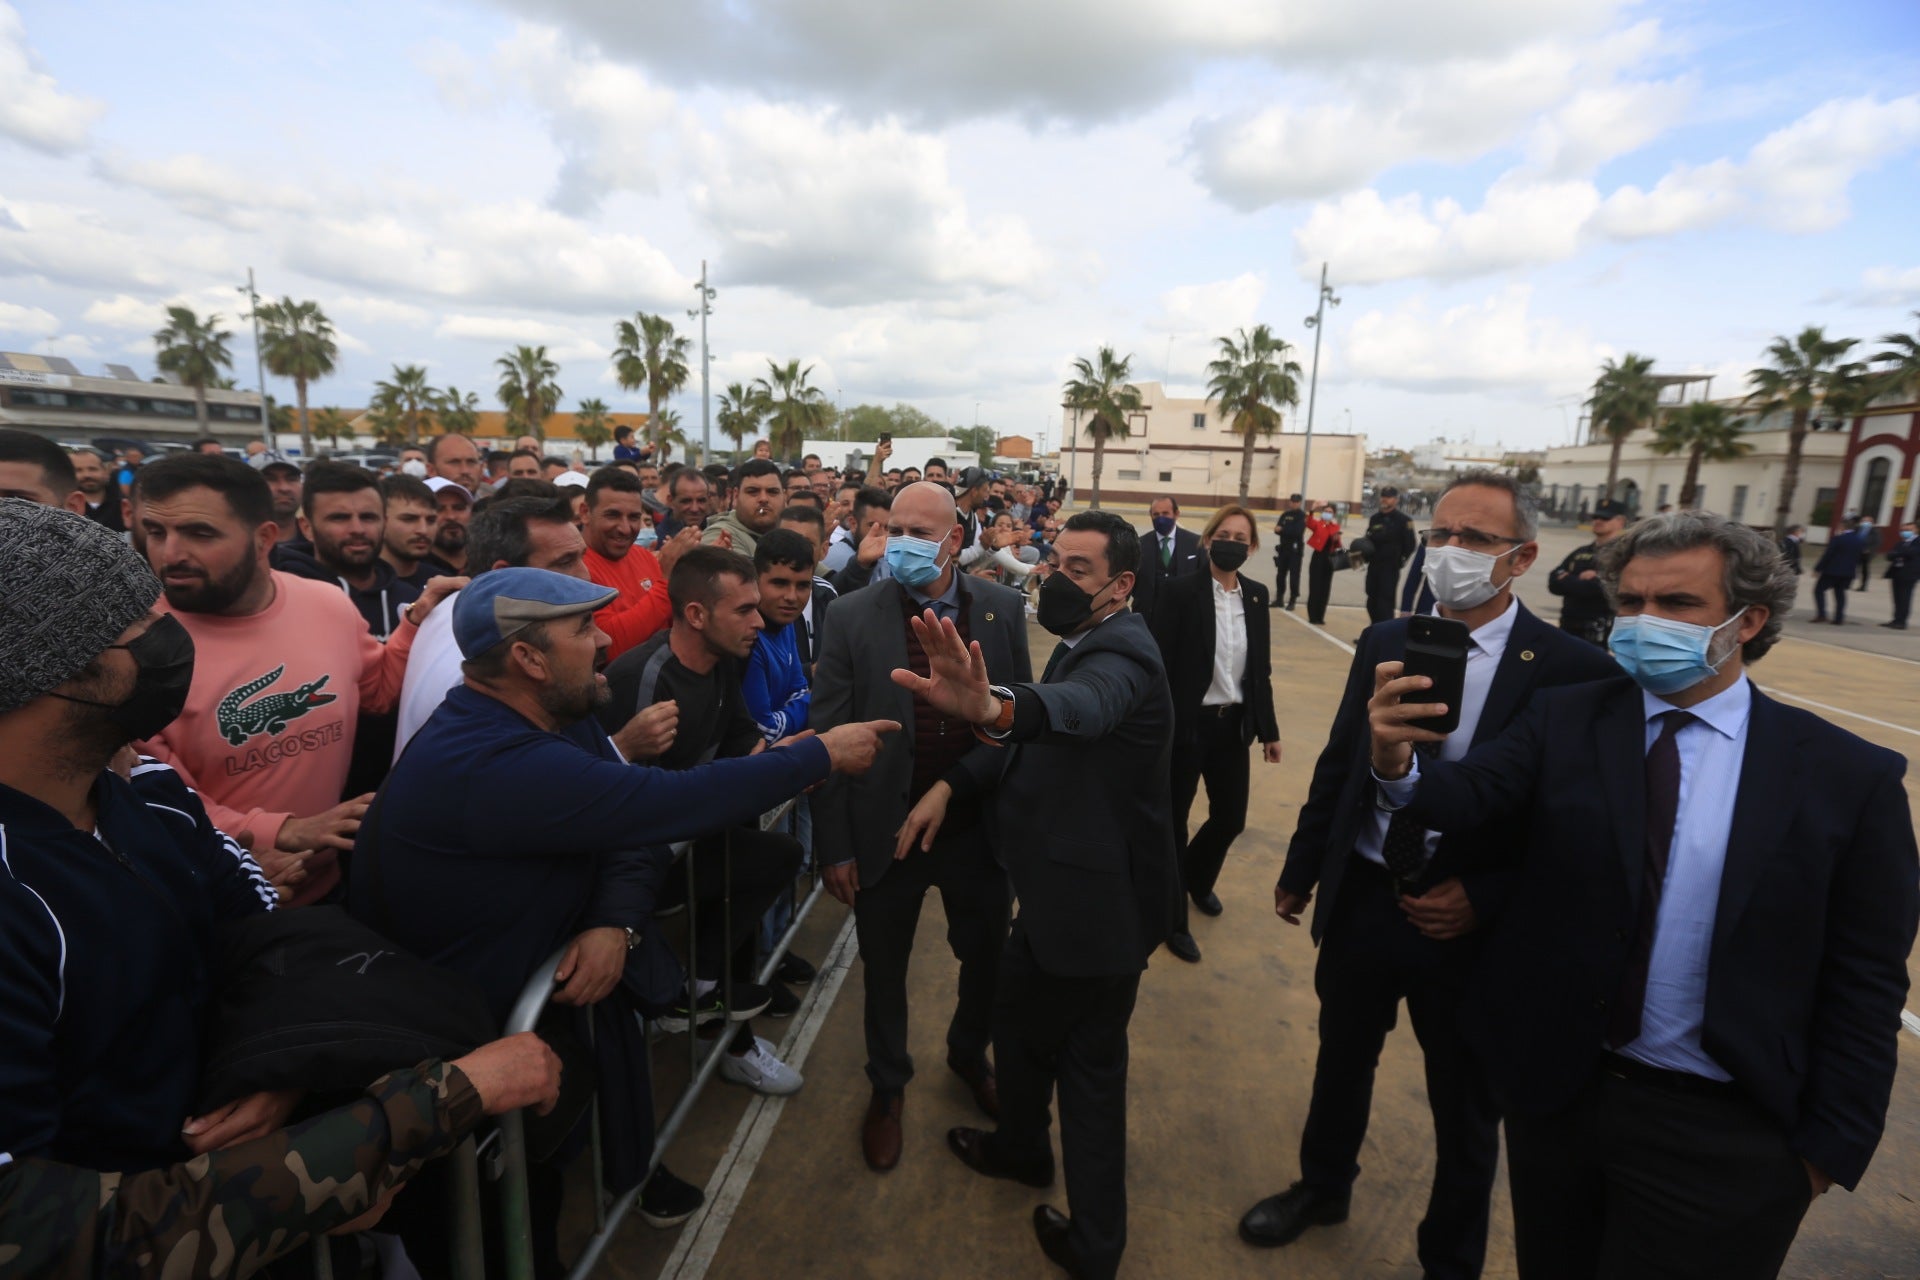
(163,655)
(1064,607)
(1226,554)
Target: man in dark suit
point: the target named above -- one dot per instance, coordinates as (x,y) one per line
(1168,552)
(1290,530)
(1082,818)
(1216,642)
(1689,1009)
(1903,570)
(1390,533)
(868,635)
(1790,544)
(1404,912)
(1834,571)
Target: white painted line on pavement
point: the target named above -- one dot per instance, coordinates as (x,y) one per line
(700,1240)
(1909,1021)
(1846,648)
(1839,711)
(1333,640)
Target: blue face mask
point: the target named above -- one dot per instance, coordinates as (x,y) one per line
(647,537)
(913,562)
(1165,525)
(1664,655)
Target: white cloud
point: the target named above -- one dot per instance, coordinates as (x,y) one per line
(33,110)
(562,342)
(204,188)
(140,315)
(15,318)
(1597,124)
(74,346)
(1493,346)
(374,310)
(1521,223)
(76,245)
(843,213)
(1881,287)
(1799,175)
(514,254)
(1212,308)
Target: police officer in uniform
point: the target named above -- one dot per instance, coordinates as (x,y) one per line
(1291,528)
(1586,612)
(1390,534)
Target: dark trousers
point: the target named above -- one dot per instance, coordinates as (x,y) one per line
(974,893)
(1836,583)
(1902,599)
(763,864)
(1640,1181)
(1383,576)
(1220,757)
(1073,1032)
(1371,958)
(1286,582)
(1319,587)
(1866,573)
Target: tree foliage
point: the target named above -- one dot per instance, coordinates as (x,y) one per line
(1250,379)
(194,351)
(1102,398)
(297,342)
(528,390)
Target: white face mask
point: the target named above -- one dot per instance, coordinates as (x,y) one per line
(1462,579)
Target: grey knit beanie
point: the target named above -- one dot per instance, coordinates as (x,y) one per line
(68,588)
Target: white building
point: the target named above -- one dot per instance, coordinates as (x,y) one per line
(1183,449)
(51,396)
(1438,457)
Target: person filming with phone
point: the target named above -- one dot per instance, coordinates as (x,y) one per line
(1690,1008)
(1402,911)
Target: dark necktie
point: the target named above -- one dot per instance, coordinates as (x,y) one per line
(1053,660)
(1404,850)
(1663,806)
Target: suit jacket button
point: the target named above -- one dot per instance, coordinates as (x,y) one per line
(1600,1002)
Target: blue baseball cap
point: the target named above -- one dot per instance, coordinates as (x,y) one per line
(499,605)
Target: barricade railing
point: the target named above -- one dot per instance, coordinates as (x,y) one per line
(506,1165)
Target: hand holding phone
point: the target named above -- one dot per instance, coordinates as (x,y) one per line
(1437,649)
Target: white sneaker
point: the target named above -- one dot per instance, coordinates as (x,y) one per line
(760,1070)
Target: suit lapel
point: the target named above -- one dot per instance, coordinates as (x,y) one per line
(1620,738)
(890,651)
(1762,811)
(1513,681)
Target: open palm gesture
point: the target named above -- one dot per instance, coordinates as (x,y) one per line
(956,679)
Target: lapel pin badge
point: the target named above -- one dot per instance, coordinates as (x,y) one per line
(989,617)
(1526,655)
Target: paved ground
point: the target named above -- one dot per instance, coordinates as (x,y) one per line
(1222,1065)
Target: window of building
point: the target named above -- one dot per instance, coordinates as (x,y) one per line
(1199,422)
(1660,497)
(1700,498)
(1739,509)
(1130,475)
(1166,476)
(1823,500)
(1875,493)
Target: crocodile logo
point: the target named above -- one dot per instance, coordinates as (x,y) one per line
(239,719)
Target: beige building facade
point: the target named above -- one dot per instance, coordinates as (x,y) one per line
(1182,448)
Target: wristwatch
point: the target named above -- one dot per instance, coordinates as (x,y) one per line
(995,734)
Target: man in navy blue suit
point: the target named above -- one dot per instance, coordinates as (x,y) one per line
(1403,914)
(1835,570)
(1690,1007)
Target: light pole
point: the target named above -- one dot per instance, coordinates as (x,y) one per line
(1315,322)
(259,362)
(706,296)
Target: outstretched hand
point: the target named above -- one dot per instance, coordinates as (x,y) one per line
(956,680)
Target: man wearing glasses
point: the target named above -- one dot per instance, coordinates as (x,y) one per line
(1403,912)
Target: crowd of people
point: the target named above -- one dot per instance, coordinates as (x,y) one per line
(484,710)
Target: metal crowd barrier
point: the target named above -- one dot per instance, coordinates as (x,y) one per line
(501,1158)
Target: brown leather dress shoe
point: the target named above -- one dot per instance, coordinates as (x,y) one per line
(1050,1227)
(880,1136)
(980,1080)
(975,1150)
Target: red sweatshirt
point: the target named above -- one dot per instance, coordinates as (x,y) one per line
(268,729)
(642,609)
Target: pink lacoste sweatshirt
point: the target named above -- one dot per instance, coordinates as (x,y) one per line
(267,733)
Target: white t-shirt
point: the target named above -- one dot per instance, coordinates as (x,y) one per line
(432,668)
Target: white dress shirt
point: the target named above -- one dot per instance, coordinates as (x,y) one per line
(1229,645)
(1712,748)
(433,667)
(1486,645)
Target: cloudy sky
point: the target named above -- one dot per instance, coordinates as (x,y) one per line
(945,203)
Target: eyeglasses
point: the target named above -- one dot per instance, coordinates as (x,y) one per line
(1471,539)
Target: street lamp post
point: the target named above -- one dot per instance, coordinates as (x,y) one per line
(1315,322)
(706,296)
(259,362)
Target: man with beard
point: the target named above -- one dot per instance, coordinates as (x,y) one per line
(283,482)
(284,668)
(616,513)
(453,504)
(343,518)
(756,506)
(97,487)
(412,517)
(453,457)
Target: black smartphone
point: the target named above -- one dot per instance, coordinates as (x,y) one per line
(886,437)
(1437,649)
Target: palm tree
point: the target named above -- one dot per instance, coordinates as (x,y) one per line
(1805,371)
(1901,377)
(590,426)
(528,390)
(793,409)
(739,415)
(647,352)
(407,399)
(297,342)
(1703,431)
(457,411)
(194,351)
(383,421)
(329,425)
(1102,392)
(668,433)
(1625,397)
(1252,378)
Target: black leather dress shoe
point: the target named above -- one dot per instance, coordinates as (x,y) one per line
(1209,903)
(974,1147)
(1183,945)
(1050,1227)
(1281,1219)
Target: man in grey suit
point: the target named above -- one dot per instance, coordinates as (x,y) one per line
(1081,815)
(866,635)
